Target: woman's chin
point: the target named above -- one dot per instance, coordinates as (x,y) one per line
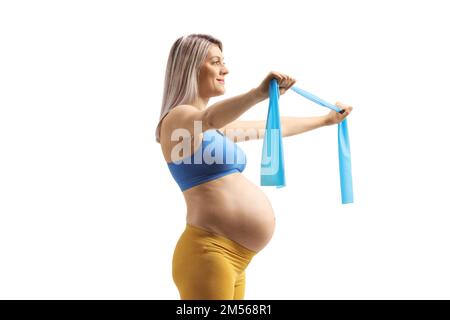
(222,90)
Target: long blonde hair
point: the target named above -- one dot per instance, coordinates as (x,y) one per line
(182,71)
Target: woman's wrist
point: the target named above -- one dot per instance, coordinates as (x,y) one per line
(257,95)
(327,121)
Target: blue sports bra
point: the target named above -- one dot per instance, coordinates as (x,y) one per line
(217,157)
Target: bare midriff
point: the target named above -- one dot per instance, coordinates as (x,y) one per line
(234,207)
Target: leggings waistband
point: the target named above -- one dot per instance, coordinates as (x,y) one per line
(221,240)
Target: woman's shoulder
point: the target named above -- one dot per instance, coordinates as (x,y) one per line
(177,118)
(174,117)
(173,120)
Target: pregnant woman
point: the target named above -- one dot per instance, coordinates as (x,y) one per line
(229,219)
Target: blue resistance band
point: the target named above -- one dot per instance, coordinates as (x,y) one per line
(272,162)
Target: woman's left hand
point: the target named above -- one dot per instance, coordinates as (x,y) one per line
(334,117)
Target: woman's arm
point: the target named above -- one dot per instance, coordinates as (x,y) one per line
(252,130)
(226,111)
(238,131)
(291,126)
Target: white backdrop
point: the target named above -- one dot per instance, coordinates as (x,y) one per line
(89,210)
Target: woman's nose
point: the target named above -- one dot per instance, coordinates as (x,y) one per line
(224,70)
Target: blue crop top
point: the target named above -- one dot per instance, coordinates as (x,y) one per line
(217,157)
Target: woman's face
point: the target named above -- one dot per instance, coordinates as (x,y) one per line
(212,74)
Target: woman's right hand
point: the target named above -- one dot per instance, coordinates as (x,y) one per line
(285,83)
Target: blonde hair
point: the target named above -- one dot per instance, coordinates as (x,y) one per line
(182,71)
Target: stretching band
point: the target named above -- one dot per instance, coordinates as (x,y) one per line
(272,160)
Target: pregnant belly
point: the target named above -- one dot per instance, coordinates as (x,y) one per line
(234,207)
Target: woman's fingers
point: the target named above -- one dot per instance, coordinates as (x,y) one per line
(291,82)
(346,111)
(334,117)
(278,76)
(284,81)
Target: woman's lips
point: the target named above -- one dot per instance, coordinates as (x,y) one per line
(221,81)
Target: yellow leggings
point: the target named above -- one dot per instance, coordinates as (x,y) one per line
(207,266)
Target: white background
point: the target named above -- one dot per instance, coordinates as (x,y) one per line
(89,210)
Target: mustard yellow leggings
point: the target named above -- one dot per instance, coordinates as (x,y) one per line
(207,266)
